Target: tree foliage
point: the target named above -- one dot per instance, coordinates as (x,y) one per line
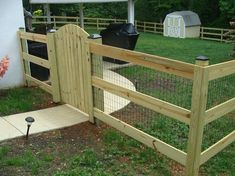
(211,12)
(227,8)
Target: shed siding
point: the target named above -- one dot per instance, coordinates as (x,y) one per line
(165,31)
(182,28)
(193,32)
(188,24)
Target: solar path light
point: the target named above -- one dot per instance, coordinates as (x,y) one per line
(29,121)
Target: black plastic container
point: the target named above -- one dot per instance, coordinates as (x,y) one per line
(39,50)
(120,35)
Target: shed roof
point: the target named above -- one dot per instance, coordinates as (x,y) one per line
(190,18)
(72,1)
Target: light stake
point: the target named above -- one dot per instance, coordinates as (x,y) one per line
(29,121)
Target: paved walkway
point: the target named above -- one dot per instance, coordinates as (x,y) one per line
(45,120)
(65,115)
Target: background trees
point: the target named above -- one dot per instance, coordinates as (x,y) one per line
(216,13)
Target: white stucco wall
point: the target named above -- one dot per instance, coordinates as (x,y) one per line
(10,20)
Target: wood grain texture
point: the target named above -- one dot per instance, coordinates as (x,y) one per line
(151,61)
(72,64)
(221,70)
(220,110)
(154,104)
(36,60)
(41,84)
(197,119)
(52,59)
(217,147)
(33,37)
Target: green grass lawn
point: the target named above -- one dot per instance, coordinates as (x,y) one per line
(23,99)
(183,49)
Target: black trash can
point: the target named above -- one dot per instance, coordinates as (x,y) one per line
(39,50)
(120,35)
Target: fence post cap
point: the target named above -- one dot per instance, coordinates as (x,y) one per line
(94,36)
(202,58)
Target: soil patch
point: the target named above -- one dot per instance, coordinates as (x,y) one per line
(61,144)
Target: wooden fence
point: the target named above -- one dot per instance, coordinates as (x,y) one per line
(26,58)
(196,117)
(217,34)
(93,23)
(214,34)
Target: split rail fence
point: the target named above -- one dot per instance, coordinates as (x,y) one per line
(206,33)
(196,116)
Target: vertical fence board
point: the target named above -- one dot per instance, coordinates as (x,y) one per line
(21,54)
(53,70)
(25,63)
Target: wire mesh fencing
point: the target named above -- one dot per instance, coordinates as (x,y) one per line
(219,91)
(166,87)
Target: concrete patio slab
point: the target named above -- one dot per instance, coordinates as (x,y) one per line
(45,120)
(7,131)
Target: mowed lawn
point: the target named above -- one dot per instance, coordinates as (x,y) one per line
(183,49)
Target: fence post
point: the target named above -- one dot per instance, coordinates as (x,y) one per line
(202,33)
(97,23)
(222,35)
(136,27)
(144,26)
(199,102)
(54,76)
(97,70)
(77,23)
(155,27)
(25,64)
(54,22)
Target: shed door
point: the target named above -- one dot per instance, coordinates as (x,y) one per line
(174,26)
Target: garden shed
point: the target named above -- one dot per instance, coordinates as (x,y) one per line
(182,24)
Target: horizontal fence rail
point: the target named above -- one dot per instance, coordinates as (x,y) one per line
(206,33)
(157,105)
(49,64)
(33,37)
(36,60)
(220,110)
(221,70)
(217,34)
(217,147)
(178,68)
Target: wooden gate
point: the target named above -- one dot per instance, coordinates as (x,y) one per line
(73,67)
